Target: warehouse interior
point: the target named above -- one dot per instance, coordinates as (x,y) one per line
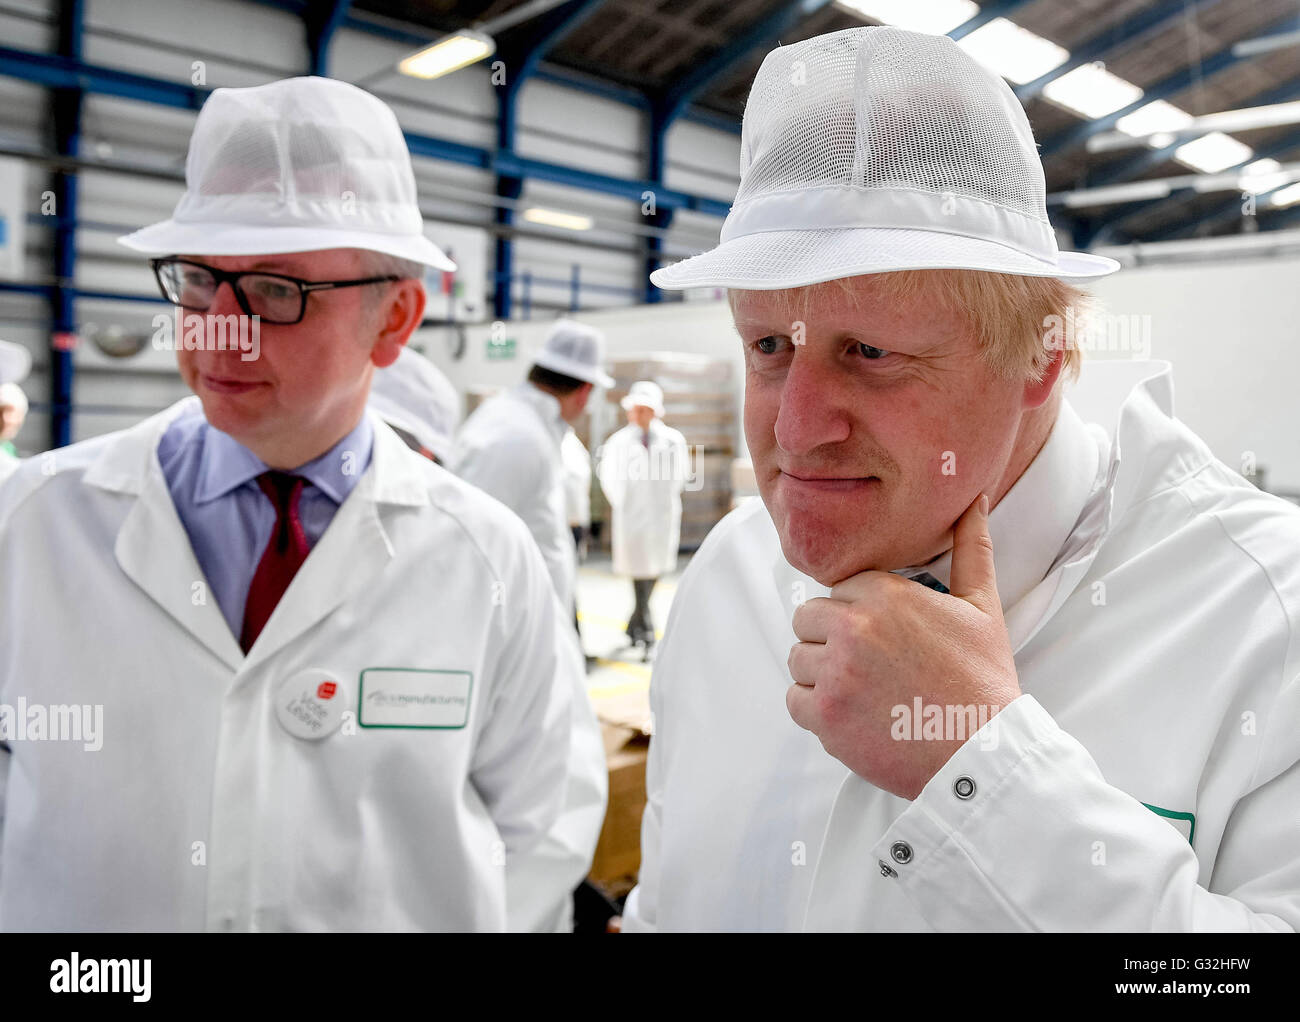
(599,140)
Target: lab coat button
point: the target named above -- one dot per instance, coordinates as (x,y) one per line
(901,852)
(886,870)
(964,788)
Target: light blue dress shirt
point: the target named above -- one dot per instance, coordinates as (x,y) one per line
(213,483)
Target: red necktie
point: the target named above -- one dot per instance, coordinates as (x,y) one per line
(283,556)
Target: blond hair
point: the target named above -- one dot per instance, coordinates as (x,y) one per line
(1009,314)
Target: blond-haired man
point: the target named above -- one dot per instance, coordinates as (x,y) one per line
(1086,715)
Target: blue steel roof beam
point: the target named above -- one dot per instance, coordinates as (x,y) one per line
(58,72)
(1163,89)
(546,71)
(52,71)
(674,99)
(525,45)
(321,21)
(988,12)
(1280,219)
(1128,170)
(1231,207)
(1131,168)
(1122,34)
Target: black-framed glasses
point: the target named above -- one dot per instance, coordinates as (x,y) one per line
(273,297)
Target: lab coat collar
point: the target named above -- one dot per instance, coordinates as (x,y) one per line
(546,405)
(1048,528)
(153,549)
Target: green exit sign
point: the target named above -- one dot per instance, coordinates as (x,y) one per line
(502,348)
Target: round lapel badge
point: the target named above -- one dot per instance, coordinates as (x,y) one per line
(311,704)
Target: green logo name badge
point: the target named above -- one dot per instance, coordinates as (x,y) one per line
(404,697)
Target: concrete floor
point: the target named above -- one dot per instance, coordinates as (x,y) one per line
(618,680)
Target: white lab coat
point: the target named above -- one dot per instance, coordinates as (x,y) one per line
(644,490)
(510,447)
(8,465)
(577,480)
(1154,612)
(200,811)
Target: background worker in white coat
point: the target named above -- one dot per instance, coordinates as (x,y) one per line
(643,469)
(15,362)
(510,444)
(510,448)
(577,504)
(1087,714)
(318,710)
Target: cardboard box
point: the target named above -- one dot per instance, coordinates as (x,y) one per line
(618,852)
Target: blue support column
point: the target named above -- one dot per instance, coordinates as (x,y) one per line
(66,104)
(521,51)
(321,21)
(661,119)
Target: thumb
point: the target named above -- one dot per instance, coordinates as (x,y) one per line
(973,578)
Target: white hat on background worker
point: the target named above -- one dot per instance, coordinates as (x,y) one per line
(646,395)
(889,150)
(414,395)
(576,350)
(298,165)
(15,362)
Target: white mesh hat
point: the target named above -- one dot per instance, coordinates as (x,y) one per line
(646,394)
(15,362)
(298,165)
(414,395)
(576,350)
(873,150)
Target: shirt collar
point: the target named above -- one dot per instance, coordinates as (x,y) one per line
(227,464)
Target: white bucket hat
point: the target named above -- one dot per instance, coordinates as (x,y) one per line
(298,165)
(576,350)
(15,362)
(414,395)
(873,150)
(645,394)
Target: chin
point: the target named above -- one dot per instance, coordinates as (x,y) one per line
(821,550)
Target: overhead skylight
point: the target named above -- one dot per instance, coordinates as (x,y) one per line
(937,17)
(1287,196)
(1262,176)
(1213,152)
(1013,52)
(1092,91)
(1157,116)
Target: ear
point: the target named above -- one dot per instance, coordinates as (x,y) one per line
(399,316)
(1037,394)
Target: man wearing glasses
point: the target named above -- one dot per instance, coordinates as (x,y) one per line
(330,686)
